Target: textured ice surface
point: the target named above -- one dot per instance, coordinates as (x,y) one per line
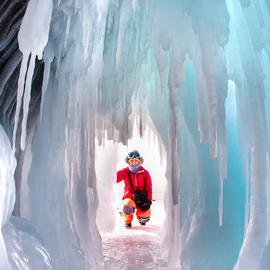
(7,191)
(24,246)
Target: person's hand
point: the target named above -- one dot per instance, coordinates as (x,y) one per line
(146,205)
(139,196)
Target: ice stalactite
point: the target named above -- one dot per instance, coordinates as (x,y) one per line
(23,69)
(125,48)
(212,85)
(48,58)
(193,35)
(33,37)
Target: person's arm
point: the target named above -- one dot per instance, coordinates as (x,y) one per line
(127,189)
(148,186)
(121,175)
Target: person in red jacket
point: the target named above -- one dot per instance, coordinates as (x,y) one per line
(137,191)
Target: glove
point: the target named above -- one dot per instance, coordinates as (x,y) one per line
(145,206)
(139,197)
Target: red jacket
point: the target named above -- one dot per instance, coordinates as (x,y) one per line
(140,181)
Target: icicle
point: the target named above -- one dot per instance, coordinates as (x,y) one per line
(34,32)
(222,171)
(247,190)
(45,82)
(220,207)
(268,199)
(33,37)
(27,98)
(19,98)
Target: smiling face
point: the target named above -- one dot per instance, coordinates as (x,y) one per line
(133,162)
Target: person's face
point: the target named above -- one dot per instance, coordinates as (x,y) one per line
(134,162)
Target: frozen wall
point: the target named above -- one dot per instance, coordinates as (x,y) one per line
(200,70)
(21,246)
(7,198)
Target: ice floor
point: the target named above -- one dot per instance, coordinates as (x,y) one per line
(137,248)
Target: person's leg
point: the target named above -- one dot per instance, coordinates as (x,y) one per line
(128,210)
(143,216)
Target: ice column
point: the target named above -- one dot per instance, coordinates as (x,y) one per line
(62,179)
(7,191)
(249,22)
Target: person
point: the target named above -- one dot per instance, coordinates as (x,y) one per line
(137,190)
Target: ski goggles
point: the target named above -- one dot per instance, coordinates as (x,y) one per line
(133,155)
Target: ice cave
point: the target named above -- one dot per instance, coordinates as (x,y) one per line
(83,82)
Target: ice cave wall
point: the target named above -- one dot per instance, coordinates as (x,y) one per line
(200,70)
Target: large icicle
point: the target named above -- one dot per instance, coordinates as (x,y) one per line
(33,37)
